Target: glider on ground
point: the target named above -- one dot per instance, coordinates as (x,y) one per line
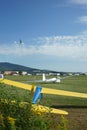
(50,80)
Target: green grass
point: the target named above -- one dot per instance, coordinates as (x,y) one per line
(77,117)
(74,83)
(13,93)
(16,112)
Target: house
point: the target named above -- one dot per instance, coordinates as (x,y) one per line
(7,72)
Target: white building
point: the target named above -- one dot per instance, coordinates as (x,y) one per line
(24,73)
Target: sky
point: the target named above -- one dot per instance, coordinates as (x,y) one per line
(53,34)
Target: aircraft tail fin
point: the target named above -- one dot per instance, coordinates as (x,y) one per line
(37,95)
(44,78)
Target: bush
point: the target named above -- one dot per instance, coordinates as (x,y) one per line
(16,115)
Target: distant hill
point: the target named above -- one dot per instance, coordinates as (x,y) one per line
(5,66)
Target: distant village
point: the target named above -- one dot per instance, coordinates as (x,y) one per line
(23,73)
(16,70)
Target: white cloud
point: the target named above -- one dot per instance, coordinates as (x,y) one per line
(72,47)
(82,19)
(80,2)
(65,46)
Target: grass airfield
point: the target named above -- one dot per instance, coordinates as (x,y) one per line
(77,107)
(72,84)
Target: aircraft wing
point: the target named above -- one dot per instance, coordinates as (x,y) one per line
(34,81)
(44,109)
(46,90)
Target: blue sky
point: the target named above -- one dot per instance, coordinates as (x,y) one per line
(54,34)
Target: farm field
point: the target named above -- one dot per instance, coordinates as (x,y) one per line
(77,107)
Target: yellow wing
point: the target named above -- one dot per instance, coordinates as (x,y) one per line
(36,108)
(45,90)
(43,109)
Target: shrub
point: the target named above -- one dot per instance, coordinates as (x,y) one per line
(16,115)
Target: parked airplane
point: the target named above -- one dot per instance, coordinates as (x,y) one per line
(57,80)
(44,80)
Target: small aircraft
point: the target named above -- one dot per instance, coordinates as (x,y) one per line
(44,80)
(20,42)
(57,80)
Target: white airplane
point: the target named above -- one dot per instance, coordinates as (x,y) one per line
(54,80)
(44,80)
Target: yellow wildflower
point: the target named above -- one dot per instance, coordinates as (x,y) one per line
(11,120)
(13,102)
(22,104)
(1,120)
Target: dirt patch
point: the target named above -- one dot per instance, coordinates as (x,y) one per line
(77,118)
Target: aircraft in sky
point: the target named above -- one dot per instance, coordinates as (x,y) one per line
(50,80)
(20,42)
